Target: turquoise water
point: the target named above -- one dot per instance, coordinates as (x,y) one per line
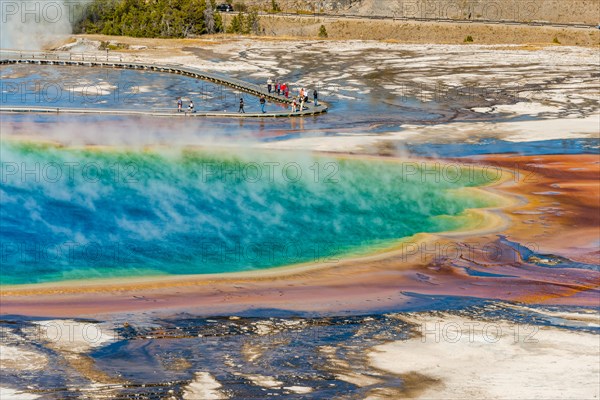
(72,213)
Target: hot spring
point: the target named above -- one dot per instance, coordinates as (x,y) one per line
(83,213)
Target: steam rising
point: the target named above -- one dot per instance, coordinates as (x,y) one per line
(77,212)
(35,24)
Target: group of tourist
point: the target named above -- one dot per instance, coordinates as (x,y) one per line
(282,89)
(302,98)
(180,105)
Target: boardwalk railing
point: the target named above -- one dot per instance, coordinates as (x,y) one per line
(58,55)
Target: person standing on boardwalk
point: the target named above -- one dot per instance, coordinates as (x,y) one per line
(278,88)
(191,106)
(263,101)
(179,104)
(316,97)
(302,102)
(241,110)
(270,85)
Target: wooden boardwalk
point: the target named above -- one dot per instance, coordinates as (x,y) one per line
(73,59)
(174,113)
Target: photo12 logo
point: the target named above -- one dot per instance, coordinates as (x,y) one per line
(68,172)
(42,11)
(270,172)
(35,252)
(476,332)
(496,10)
(37,91)
(440,92)
(269,252)
(490,252)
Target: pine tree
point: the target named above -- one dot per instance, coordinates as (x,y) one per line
(236,24)
(323,32)
(252,24)
(275,7)
(209,19)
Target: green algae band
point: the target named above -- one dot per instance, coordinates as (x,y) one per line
(100,213)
